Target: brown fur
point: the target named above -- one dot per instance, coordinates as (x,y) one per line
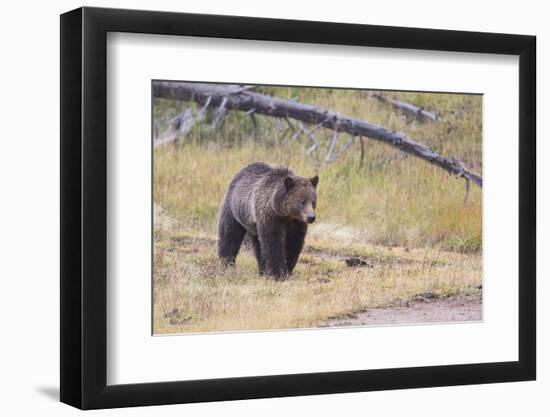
(273,206)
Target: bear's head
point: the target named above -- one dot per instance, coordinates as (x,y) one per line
(300,199)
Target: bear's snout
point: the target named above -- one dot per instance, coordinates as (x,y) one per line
(311,218)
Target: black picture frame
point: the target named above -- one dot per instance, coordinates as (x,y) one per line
(84,207)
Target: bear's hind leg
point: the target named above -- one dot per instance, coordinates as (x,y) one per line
(295,236)
(230,237)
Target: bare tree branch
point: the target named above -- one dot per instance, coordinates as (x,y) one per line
(362,143)
(408,108)
(343,150)
(181,124)
(332,146)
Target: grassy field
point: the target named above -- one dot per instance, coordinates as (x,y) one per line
(403,219)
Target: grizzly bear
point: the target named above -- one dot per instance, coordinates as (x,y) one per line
(273,206)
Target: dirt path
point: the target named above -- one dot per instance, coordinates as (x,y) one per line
(417,311)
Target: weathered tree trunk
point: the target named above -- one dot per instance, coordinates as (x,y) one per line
(241,98)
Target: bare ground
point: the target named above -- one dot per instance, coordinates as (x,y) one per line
(418,310)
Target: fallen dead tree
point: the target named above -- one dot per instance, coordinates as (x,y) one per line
(408,108)
(242,98)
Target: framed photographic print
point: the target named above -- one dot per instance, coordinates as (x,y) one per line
(256,208)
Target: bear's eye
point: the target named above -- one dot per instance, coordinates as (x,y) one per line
(303,202)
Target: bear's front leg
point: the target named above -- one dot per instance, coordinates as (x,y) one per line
(258,253)
(295,236)
(272,243)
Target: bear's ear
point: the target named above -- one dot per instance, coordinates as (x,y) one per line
(315,180)
(289,183)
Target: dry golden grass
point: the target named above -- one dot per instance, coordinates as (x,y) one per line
(192,293)
(407,203)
